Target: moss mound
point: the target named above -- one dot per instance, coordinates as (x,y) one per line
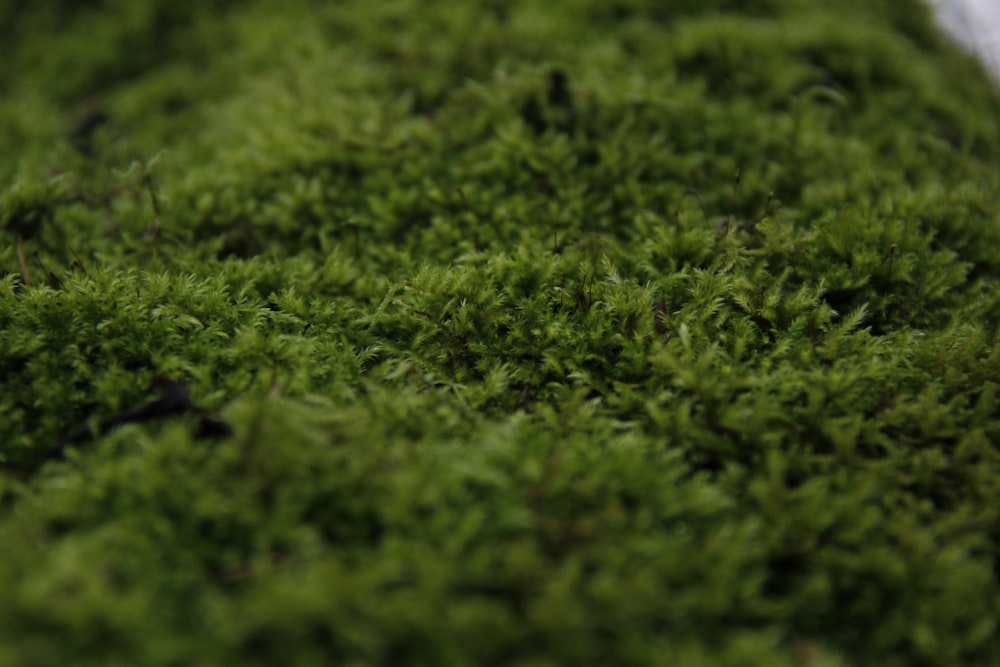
(623,332)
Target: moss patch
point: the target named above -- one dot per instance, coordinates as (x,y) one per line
(596,333)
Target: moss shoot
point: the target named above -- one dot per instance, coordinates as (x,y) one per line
(532,333)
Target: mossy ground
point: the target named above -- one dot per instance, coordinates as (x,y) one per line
(520,372)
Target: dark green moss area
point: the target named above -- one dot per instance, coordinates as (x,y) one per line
(575,333)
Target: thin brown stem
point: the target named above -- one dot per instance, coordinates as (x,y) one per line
(25,275)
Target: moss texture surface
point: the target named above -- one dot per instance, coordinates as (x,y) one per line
(520,371)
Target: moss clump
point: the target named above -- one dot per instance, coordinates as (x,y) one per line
(598,333)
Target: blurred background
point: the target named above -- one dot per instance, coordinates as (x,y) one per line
(976,25)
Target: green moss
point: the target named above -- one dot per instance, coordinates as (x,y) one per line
(595,333)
